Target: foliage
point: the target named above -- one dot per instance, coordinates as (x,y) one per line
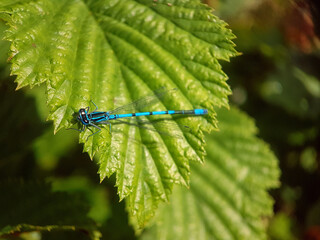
(227,196)
(100,51)
(116,51)
(31,206)
(272,82)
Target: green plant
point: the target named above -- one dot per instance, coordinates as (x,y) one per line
(115,51)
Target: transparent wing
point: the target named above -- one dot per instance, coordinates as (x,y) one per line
(163,126)
(141,103)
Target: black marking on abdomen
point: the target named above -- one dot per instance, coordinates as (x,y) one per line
(188,111)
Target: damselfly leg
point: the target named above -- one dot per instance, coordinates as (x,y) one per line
(95,106)
(99,130)
(136,110)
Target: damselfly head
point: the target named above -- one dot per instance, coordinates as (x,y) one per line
(82,117)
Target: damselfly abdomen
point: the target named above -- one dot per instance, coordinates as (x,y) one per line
(96,117)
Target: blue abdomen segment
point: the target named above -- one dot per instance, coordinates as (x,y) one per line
(200,111)
(170,112)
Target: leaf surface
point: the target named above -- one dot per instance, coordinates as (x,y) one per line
(31,206)
(113,52)
(227,198)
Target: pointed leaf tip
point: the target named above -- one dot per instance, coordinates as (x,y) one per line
(113,53)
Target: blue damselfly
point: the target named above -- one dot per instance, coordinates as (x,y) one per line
(95,118)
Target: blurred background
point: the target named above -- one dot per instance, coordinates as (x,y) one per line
(275,80)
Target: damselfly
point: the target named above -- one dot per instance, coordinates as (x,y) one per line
(94,118)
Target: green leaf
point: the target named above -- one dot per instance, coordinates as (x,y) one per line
(4,47)
(31,206)
(115,51)
(14,106)
(227,198)
(49,149)
(96,195)
(282,227)
(292,89)
(9,232)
